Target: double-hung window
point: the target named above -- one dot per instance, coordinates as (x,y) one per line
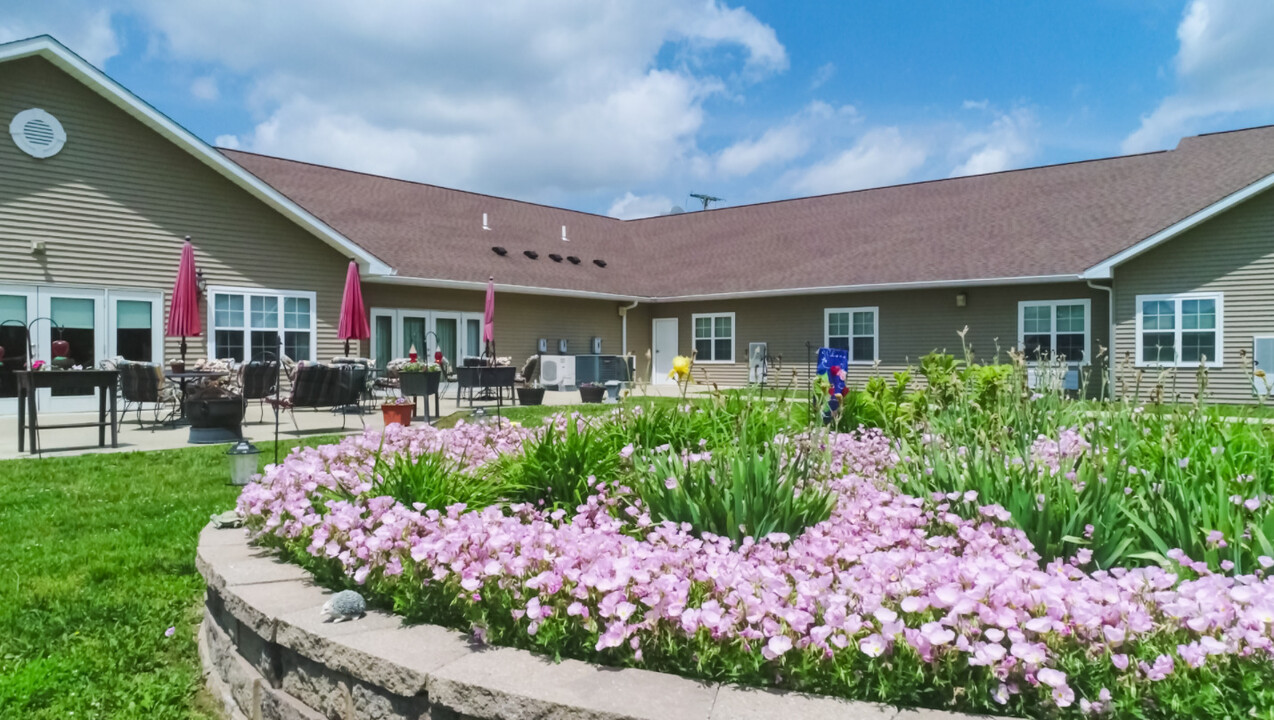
(714,337)
(1055,329)
(856,330)
(246,324)
(1179,330)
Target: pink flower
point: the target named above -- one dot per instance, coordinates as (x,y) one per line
(776,647)
(1052,678)
(872,646)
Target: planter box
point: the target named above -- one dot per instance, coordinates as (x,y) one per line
(419,384)
(215,420)
(530,396)
(400,414)
(592,394)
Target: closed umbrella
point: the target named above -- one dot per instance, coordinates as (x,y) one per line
(183,312)
(488,319)
(353,324)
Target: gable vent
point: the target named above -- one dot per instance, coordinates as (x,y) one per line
(37,133)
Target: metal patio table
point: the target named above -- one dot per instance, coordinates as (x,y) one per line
(105,381)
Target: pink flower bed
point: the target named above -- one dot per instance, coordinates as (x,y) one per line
(887,583)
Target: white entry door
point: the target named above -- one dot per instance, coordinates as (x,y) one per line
(664,334)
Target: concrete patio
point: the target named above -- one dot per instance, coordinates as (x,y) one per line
(76,441)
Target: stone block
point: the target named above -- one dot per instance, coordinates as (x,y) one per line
(512,684)
(261,654)
(398,659)
(372,703)
(241,679)
(230,565)
(323,690)
(259,606)
(278,705)
(743,703)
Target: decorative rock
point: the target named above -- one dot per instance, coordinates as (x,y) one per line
(344,605)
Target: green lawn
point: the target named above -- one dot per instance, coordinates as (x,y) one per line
(96,563)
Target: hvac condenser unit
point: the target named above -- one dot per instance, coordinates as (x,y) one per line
(1263,359)
(557,371)
(757,353)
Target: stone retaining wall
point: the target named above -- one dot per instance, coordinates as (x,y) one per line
(268,655)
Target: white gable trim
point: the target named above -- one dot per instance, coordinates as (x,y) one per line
(1104,269)
(58,54)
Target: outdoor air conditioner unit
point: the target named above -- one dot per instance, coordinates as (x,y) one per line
(1263,359)
(557,371)
(757,353)
(1053,378)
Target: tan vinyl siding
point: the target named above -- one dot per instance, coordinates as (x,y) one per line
(1233,254)
(520,320)
(115,203)
(912,323)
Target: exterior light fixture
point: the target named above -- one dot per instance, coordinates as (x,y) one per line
(962,299)
(243,462)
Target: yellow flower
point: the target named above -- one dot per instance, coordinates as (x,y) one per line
(1260,373)
(680,367)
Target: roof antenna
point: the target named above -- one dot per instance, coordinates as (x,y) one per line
(706,199)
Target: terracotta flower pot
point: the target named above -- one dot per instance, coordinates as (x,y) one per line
(400,414)
(179,367)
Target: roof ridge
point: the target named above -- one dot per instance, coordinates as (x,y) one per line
(917,182)
(416,182)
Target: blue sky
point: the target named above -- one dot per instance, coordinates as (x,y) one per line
(626,106)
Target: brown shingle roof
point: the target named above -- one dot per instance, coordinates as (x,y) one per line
(1053,220)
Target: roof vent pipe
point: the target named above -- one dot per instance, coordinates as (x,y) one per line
(564,238)
(485,226)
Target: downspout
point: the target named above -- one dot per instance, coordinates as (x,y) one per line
(1110,328)
(623,314)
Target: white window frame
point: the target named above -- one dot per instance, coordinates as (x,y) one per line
(247,293)
(1052,305)
(1175,299)
(875,332)
(734,333)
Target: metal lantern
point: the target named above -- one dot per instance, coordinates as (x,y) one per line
(243,462)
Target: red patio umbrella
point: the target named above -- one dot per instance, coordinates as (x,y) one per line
(488,318)
(183,312)
(353,324)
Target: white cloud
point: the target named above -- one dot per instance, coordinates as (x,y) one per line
(785,142)
(89,34)
(205,87)
(226,141)
(526,99)
(1009,143)
(976,104)
(882,156)
(777,145)
(631,207)
(822,75)
(1224,65)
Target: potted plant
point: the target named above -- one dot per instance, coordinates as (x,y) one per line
(398,410)
(417,379)
(591,392)
(177,365)
(532,394)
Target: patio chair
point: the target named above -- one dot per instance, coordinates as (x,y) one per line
(141,383)
(259,380)
(324,387)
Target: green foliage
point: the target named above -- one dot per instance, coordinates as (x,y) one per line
(437,481)
(557,467)
(738,493)
(97,560)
